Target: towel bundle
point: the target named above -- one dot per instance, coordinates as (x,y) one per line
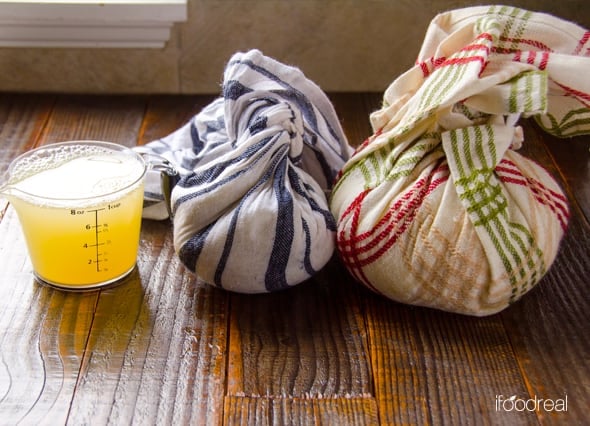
(437,208)
(250,210)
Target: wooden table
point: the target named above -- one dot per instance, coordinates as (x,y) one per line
(166,348)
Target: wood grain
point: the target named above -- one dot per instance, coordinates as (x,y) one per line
(546,328)
(22,118)
(165,348)
(165,114)
(571,159)
(105,118)
(424,360)
(33,322)
(300,411)
(353,110)
(307,342)
(162,337)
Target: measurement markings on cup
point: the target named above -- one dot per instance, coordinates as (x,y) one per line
(99,242)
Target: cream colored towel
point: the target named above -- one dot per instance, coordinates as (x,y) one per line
(436,208)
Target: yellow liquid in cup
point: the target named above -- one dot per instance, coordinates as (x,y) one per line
(77,236)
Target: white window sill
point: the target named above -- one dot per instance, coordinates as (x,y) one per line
(89,23)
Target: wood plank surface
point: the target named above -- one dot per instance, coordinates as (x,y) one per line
(308,342)
(104,118)
(166,113)
(548,328)
(22,118)
(165,348)
(160,338)
(299,411)
(571,158)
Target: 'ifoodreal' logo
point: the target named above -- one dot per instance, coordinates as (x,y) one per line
(514,403)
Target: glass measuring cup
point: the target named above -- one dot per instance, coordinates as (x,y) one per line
(79,204)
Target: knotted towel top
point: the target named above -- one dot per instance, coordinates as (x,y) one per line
(436,208)
(250,210)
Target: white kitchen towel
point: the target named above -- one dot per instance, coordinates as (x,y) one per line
(437,208)
(250,212)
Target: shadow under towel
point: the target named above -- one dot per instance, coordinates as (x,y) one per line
(250,210)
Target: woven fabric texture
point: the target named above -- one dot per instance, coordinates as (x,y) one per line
(437,208)
(250,211)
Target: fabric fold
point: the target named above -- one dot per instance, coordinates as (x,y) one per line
(250,210)
(437,208)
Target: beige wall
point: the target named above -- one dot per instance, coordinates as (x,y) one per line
(343,45)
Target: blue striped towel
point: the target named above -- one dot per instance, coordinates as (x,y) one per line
(250,210)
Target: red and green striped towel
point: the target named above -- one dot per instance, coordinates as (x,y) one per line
(437,208)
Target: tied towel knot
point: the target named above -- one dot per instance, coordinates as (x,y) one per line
(436,208)
(250,210)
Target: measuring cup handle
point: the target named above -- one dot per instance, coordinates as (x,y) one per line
(169,177)
(161,178)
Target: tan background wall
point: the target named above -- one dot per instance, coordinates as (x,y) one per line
(343,45)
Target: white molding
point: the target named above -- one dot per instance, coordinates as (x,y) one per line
(106,23)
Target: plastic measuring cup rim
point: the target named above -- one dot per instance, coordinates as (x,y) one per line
(106,147)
